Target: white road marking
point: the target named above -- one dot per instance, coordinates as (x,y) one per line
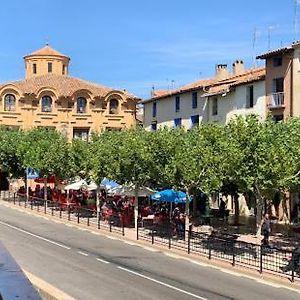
(131,243)
(162,283)
(82,253)
(102,260)
(35,235)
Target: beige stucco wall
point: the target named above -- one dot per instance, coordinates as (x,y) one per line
(284,71)
(28,112)
(42,65)
(296,82)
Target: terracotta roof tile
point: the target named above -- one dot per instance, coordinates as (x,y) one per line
(225,85)
(64,85)
(48,51)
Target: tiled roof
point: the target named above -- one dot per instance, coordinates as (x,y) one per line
(274,52)
(64,85)
(223,86)
(46,51)
(212,86)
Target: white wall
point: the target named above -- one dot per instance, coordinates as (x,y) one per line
(229,105)
(234,103)
(165,111)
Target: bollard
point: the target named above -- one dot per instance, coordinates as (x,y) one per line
(137,231)
(14,198)
(31,205)
(78,221)
(110,224)
(69,213)
(88,221)
(45,207)
(98,221)
(52,210)
(123,229)
(60,211)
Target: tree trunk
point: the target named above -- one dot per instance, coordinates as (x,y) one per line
(259,213)
(236,208)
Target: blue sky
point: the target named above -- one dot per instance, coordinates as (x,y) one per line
(137,44)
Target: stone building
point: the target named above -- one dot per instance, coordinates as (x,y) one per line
(49,97)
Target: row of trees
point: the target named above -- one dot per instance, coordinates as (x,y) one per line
(245,156)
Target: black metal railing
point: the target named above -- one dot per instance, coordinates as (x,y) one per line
(225,247)
(219,246)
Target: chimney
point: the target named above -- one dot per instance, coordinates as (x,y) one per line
(221,71)
(238,67)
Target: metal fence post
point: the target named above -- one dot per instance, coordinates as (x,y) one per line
(152,234)
(98,221)
(69,213)
(14,198)
(31,204)
(261,259)
(78,215)
(110,225)
(88,220)
(170,235)
(233,252)
(293,268)
(137,230)
(52,210)
(60,211)
(123,229)
(189,238)
(209,247)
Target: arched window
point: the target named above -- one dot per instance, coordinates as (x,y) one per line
(46,104)
(81,105)
(9,102)
(113,106)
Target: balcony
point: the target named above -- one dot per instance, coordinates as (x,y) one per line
(276,100)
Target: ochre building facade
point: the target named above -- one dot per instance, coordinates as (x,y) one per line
(49,97)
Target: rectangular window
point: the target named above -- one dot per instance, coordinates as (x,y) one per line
(214,106)
(63,69)
(177,122)
(49,67)
(154,126)
(194,100)
(250,96)
(81,133)
(194,121)
(277,61)
(34,68)
(177,103)
(278,85)
(154,107)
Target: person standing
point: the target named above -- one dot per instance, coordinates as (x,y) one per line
(266,230)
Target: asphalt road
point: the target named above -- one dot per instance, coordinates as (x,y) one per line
(89,266)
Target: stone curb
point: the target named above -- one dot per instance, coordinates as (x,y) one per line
(46,290)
